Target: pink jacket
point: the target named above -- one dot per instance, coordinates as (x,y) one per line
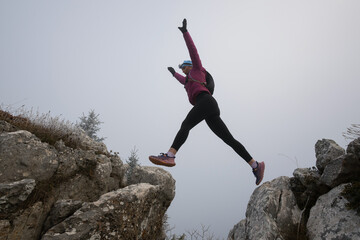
(197,72)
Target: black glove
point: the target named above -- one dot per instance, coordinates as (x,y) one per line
(183,28)
(171,70)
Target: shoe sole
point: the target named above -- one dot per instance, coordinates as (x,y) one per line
(262,172)
(159,162)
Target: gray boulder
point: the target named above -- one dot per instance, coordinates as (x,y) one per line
(117,172)
(47,191)
(61,210)
(7,127)
(310,205)
(326,150)
(330,219)
(307,187)
(310,178)
(22,155)
(85,176)
(343,169)
(27,224)
(155,176)
(86,143)
(238,232)
(354,148)
(134,212)
(5,229)
(13,195)
(271,213)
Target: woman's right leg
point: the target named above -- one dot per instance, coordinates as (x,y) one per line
(194,117)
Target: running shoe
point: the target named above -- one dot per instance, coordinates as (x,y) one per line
(259,172)
(163,159)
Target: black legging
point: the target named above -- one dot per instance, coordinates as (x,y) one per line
(207,108)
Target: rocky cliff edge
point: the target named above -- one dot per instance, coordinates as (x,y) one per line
(58,192)
(318,203)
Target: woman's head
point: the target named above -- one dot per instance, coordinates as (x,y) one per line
(186,66)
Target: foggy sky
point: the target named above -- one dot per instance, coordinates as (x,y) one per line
(286,73)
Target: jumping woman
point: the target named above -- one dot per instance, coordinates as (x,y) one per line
(205,108)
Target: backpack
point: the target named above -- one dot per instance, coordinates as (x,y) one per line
(210,84)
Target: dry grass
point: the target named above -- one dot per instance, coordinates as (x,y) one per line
(46,127)
(352,132)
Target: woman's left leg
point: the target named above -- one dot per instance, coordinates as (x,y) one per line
(217,125)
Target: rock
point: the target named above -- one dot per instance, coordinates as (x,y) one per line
(134,212)
(22,155)
(77,192)
(5,228)
(272,212)
(301,193)
(13,195)
(117,172)
(343,169)
(238,232)
(60,146)
(330,219)
(326,150)
(86,143)
(86,176)
(307,186)
(69,162)
(61,210)
(312,204)
(310,178)
(29,223)
(7,127)
(155,176)
(80,188)
(354,148)
(103,171)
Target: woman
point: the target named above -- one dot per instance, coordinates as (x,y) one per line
(205,107)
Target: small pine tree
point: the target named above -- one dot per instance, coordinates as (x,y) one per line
(90,124)
(132,161)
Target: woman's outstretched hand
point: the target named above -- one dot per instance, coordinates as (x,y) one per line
(171,70)
(183,28)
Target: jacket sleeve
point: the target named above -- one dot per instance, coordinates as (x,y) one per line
(195,58)
(180,78)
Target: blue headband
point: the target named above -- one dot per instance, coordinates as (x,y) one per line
(185,63)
